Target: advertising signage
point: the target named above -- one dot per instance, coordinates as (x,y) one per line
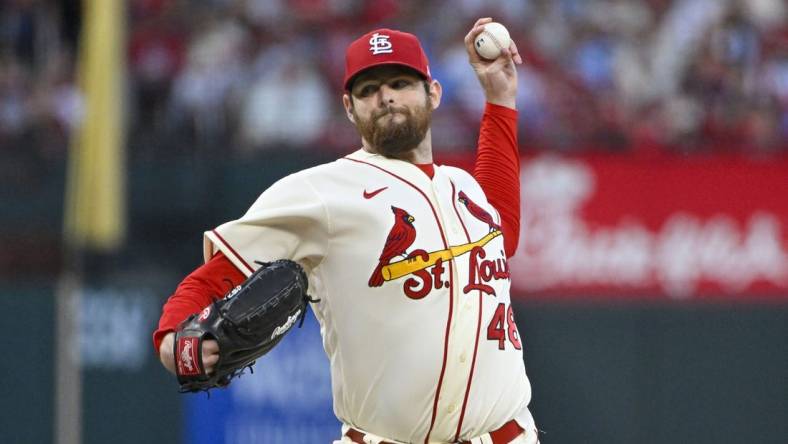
(623,226)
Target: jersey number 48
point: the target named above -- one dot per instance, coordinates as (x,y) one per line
(502,325)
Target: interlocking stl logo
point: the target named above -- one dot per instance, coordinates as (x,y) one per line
(380,44)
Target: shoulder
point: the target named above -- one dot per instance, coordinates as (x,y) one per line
(459,176)
(325,182)
(455,172)
(338,167)
(465,182)
(301,186)
(315,174)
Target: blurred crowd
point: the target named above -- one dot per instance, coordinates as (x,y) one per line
(243,76)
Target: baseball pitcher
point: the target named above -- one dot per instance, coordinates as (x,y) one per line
(405,263)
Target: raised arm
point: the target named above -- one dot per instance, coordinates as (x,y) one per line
(497,167)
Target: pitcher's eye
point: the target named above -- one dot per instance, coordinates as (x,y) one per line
(367,90)
(400,83)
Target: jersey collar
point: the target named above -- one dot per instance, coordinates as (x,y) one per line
(401,168)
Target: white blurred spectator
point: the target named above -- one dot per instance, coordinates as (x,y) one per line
(287,105)
(682,117)
(774,81)
(14,88)
(678,38)
(59,96)
(214,65)
(765,13)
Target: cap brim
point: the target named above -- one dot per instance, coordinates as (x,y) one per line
(352,78)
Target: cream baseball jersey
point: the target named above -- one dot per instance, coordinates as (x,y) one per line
(413,283)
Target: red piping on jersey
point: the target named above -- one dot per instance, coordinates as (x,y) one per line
(235,253)
(457,212)
(478,326)
(451,291)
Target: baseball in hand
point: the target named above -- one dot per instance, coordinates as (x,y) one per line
(491,40)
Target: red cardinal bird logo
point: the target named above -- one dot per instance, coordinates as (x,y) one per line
(401,236)
(478,212)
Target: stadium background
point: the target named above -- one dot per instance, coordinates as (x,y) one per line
(652,279)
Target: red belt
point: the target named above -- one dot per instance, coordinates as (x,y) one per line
(504,435)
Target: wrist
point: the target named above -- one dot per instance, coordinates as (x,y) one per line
(500,111)
(508,102)
(166,352)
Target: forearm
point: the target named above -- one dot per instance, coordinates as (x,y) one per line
(502,99)
(211,280)
(497,169)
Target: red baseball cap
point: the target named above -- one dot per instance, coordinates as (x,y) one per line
(385,47)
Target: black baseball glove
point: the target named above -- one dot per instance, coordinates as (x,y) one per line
(247,323)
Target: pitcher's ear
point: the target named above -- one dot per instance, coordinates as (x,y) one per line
(347,102)
(435,92)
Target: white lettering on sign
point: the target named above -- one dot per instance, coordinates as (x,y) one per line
(113,326)
(562,250)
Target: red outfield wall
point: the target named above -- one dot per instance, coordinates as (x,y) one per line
(645,227)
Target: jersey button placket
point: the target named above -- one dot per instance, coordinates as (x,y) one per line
(456,381)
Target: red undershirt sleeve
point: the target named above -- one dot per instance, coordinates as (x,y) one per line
(498,169)
(210,281)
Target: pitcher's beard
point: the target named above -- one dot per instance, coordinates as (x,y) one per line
(395,139)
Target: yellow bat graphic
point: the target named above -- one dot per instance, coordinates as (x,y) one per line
(407,266)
